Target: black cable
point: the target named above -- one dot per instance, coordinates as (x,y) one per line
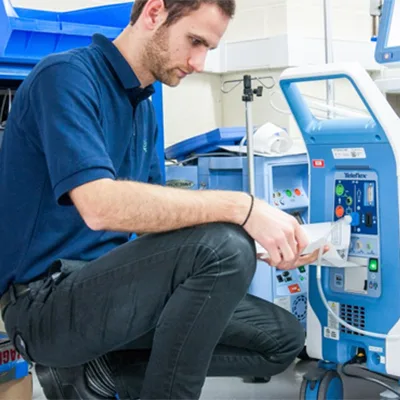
(380,374)
(356,360)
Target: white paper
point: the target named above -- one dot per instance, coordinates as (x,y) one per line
(336,235)
(297,148)
(271,141)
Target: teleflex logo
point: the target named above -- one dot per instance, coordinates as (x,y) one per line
(355,175)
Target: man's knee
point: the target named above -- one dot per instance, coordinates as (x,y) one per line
(292,341)
(232,247)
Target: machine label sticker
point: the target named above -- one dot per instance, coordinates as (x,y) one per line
(350,153)
(332,330)
(283,302)
(375,349)
(332,322)
(331,333)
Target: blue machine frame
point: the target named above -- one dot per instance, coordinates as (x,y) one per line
(354,158)
(385,52)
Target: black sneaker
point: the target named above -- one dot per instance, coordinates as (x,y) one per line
(65,383)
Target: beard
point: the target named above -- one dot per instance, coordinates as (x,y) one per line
(157,57)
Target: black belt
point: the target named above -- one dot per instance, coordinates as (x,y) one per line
(12,294)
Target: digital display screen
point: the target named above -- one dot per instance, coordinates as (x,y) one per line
(394,31)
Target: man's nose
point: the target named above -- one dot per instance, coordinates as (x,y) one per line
(198,60)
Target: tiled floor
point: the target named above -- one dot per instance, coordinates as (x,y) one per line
(282,387)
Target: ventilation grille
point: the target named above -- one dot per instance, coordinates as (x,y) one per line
(353,315)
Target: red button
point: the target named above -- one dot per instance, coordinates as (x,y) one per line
(318,163)
(294,288)
(297,192)
(339,211)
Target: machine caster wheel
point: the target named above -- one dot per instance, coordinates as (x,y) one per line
(329,387)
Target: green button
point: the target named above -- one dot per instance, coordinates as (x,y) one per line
(288,193)
(373,265)
(302,269)
(340,189)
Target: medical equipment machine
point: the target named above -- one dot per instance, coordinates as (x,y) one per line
(387,50)
(353,313)
(281,181)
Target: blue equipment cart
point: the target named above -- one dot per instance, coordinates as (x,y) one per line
(353,313)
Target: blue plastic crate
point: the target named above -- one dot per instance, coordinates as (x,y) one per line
(12,365)
(26,35)
(205,143)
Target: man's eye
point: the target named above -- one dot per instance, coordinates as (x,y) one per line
(195,42)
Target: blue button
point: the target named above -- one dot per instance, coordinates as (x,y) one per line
(355,219)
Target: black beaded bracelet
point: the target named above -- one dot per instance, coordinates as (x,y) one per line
(250,210)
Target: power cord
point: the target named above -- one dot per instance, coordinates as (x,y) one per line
(360,358)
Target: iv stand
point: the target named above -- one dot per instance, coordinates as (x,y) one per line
(248,98)
(330,88)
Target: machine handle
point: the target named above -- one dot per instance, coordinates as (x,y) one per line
(382,117)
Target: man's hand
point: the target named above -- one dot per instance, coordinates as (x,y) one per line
(278,233)
(302,260)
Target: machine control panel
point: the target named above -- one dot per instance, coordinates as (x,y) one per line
(291,291)
(355,194)
(292,197)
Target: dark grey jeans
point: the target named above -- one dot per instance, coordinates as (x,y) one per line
(179,293)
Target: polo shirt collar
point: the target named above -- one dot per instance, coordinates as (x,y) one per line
(121,67)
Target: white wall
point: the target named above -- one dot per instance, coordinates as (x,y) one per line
(193,107)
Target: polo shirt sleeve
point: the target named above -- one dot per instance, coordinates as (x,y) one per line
(66,108)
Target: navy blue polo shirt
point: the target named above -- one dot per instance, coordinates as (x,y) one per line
(78,117)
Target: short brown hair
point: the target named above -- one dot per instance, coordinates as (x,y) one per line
(178,9)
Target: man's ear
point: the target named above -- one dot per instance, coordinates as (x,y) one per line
(154,14)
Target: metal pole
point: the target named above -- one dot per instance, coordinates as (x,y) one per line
(330,90)
(250,146)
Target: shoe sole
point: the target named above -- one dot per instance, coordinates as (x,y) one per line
(49,382)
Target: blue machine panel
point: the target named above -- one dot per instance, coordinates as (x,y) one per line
(283,183)
(355,194)
(356,197)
